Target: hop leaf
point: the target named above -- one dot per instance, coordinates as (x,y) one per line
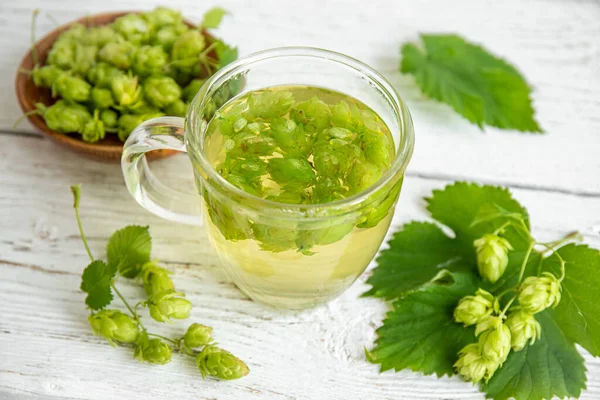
(482,88)
(212,18)
(523,328)
(114,326)
(153,351)
(128,249)
(473,309)
(220,363)
(538,293)
(492,256)
(197,335)
(96,280)
(169,304)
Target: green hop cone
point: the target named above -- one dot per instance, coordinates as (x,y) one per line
(187,48)
(538,293)
(169,304)
(162,16)
(269,104)
(85,57)
(362,176)
(149,60)
(177,109)
(62,54)
(488,323)
(197,335)
(156,279)
(100,35)
(114,326)
(492,256)
(291,171)
(45,76)
(213,361)
(160,91)
(101,98)
(472,366)
(118,54)
(125,89)
(93,130)
(167,35)
(473,309)
(495,344)
(109,118)
(153,351)
(133,27)
(71,88)
(314,114)
(63,117)
(102,74)
(523,328)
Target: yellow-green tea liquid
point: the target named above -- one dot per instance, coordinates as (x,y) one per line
(283,276)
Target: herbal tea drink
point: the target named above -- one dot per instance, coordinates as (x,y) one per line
(298,156)
(297,145)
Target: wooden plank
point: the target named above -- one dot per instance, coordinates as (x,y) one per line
(554,43)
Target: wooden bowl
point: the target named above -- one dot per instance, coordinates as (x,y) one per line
(108,149)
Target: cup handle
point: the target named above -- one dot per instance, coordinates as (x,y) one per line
(164,133)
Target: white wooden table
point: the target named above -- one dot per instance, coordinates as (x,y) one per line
(46,347)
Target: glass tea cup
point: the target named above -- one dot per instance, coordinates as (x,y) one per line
(285,255)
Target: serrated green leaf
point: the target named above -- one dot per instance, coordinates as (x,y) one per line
(479,86)
(550,368)
(459,204)
(420,333)
(578,312)
(414,256)
(128,249)
(212,18)
(95,281)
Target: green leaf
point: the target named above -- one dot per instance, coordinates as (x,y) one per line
(458,205)
(420,333)
(227,55)
(479,86)
(95,281)
(212,18)
(128,249)
(578,312)
(415,255)
(550,368)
